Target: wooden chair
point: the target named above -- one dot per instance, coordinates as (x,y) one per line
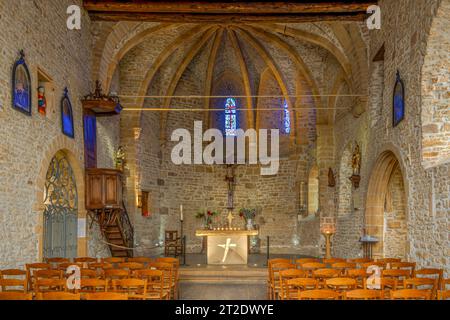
(432,273)
(360,275)
(398,274)
(48,285)
(106,296)
(16,296)
(410,294)
(297,285)
(286,275)
(58,296)
(341,284)
(14,278)
(48,274)
(319,294)
(93,285)
(131,266)
(172,243)
(360,260)
(343,267)
(169,276)
(388,261)
(274,278)
(135,288)
(411,266)
(65,265)
(31,267)
(420,283)
(442,295)
(176,268)
(322,274)
(57,260)
(363,294)
(379,264)
(114,274)
(155,283)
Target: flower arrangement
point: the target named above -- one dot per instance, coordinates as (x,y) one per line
(247,213)
(206,215)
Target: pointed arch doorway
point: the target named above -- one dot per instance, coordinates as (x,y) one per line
(386,208)
(61,209)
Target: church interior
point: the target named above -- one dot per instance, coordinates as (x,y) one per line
(225,150)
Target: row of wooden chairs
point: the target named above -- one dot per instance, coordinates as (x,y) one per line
(39,275)
(363,294)
(64,296)
(393,278)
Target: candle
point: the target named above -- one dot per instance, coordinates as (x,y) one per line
(181,212)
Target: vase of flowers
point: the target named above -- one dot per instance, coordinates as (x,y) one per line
(207,217)
(249,216)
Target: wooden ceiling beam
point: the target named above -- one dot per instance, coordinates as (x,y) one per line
(228,7)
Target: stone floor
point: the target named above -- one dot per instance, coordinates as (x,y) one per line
(200,281)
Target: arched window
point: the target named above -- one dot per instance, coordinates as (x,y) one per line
(230,117)
(286,119)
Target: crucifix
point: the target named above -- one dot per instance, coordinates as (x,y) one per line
(230,179)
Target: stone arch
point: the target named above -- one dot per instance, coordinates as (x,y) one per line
(345,191)
(75,158)
(313,190)
(386,206)
(435,88)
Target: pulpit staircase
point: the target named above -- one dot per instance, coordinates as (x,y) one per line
(106,208)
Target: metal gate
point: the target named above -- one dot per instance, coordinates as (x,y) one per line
(61,209)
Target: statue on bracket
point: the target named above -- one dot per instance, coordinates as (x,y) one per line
(331,178)
(356,166)
(119,158)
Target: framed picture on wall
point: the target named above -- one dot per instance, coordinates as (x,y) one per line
(398,108)
(21,86)
(67,115)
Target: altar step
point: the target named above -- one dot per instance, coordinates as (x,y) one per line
(219,274)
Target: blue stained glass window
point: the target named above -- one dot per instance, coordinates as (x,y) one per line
(286,119)
(230,117)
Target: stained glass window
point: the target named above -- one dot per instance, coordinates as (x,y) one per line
(230,117)
(286,119)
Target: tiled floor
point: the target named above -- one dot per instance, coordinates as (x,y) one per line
(222,291)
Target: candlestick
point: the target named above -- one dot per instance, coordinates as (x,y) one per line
(181,212)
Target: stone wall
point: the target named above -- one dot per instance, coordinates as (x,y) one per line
(28,143)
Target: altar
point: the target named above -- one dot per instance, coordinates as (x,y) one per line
(228,246)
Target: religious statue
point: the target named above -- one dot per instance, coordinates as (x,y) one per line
(331,178)
(229,178)
(42,101)
(119,158)
(356,160)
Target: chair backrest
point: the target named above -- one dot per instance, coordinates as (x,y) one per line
(379,264)
(341,283)
(93,285)
(57,260)
(31,267)
(64,265)
(58,296)
(360,260)
(13,285)
(116,274)
(291,274)
(411,294)
(363,294)
(48,274)
(319,294)
(331,261)
(15,296)
(130,265)
(85,259)
(411,266)
(343,267)
(155,280)
(396,273)
(422,283)
(433,273)
(46,285)
(106,296)
(88,273)
(171,235)
(389,260)
(13,273)
(313,266)
(306,260)
(357,273)
(100,266)
(325,273)
(143,260)
(442,295)
(113,260)
(132,286)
